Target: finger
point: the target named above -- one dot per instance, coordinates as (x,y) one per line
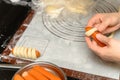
(91,44)
(88,41)
(94,43)
(94,20)
(97,48)
(101,27)
(97,26)
(103,39)
(94,47)
(110,29)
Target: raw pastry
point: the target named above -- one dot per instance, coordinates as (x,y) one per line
(53,10)
(79,6)
(90,32)
(24,52)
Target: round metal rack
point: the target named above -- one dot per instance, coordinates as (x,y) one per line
(72,27)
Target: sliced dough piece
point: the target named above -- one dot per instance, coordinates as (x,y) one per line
(34,53)
(29,53)
(79,6)
(76,9)
(90,32)
(53,10)
(18,51)
(25,52)
(14,51)
(22,52)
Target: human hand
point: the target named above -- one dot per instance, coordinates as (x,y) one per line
(110,52)
(105,22)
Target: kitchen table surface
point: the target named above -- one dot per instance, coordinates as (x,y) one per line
(72,74)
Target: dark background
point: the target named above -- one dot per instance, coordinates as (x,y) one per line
(6,74)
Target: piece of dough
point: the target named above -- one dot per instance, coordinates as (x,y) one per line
(33,53)
(79,6)
(53,10)
(24,52)
(90,32)
(29,52)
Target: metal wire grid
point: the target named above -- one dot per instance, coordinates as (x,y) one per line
(72,27)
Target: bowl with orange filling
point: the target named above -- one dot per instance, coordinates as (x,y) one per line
(40,71)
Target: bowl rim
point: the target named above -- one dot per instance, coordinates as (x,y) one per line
(42,62)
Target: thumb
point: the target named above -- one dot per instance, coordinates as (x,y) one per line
(103,39)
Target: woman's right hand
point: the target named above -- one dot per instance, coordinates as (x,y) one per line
(110,52)
(105,22)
